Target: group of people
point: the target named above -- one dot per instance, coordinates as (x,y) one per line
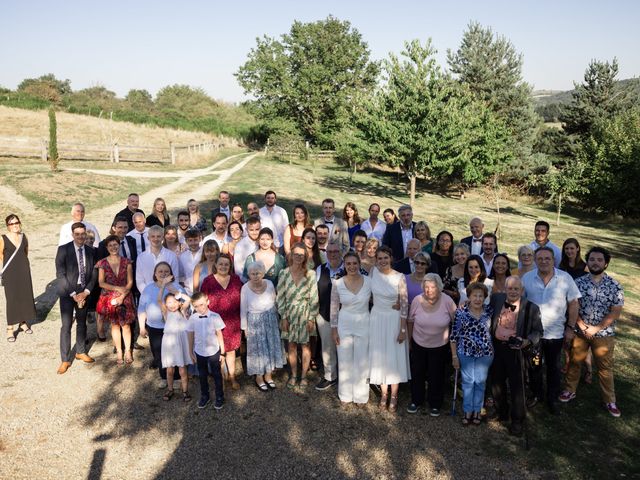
(368,301)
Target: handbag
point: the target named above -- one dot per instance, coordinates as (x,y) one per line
(6,265)
(531,352)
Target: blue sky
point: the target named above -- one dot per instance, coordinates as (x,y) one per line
(149,44)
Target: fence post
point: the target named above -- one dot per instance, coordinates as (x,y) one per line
(173,153)
(44,146)
(116,153)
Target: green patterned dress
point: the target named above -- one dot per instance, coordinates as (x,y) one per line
(297,304)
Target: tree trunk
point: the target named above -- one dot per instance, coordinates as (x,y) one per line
(496,192)
(412,188)
(558,208)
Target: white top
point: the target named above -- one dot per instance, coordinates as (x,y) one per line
(205,340)
(552,299)
(188,261)
(136,236)
(277,220)
(476,246)
(251,302)
(487,265)
(557,252)
(66,235)
(244,248)
(377,232)
(407,235)
(212,236)
(147,261)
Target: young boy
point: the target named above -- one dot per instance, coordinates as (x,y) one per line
(207,347)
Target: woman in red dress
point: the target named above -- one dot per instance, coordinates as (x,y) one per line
(115,277)
(223,289)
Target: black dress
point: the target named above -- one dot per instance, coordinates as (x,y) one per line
(153,220)
(18,289)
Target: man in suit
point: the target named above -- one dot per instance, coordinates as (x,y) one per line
(223,207)
(338,229)
(489,242)
(133,201)
(76,278)
(513,316)
(140,233)
(407,266)
(397,235)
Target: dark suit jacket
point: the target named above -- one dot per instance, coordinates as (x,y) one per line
(534,327)
(393,239)
(467,241)
(216,210)
(67,269)
(404,266)
(128,214)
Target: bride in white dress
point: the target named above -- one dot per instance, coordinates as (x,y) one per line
(388,350)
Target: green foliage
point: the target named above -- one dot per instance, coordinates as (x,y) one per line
(309,76)
(550,112)
(611,159)
(491,68)
(139,101)
(183,101)
(552,141)
(96,99)
(47,87)
(594,99)
(54,158)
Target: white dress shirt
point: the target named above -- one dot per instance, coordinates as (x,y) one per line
(376,232)
(137,236)
(66,235)
(476,246)
(188,261)
(213,236)
(277,220)
(244,248)
(147,262)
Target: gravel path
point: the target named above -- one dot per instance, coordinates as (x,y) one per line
(104,421)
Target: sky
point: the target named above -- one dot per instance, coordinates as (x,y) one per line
(150,44)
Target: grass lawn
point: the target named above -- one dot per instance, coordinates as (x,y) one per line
(583,441)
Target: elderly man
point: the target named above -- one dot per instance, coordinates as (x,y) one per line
(514,317)
(474,241)
(338,228)
(555,292)
(140,232)
(373,227)
(77,215)
(599,308)
(397,235)
(153,255)
(133,202)
(325,274)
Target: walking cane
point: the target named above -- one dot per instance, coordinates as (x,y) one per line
(455,394)
(524,402)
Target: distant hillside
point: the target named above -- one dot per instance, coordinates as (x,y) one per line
(548,97)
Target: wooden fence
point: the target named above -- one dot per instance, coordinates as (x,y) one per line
(39,148)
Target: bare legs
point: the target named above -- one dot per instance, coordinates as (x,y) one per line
(117,338)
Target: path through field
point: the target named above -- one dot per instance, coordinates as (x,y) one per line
(103,421)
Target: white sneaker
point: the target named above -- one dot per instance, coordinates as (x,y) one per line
(162,384)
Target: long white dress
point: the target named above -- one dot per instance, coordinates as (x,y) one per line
(350,314)
(388,359)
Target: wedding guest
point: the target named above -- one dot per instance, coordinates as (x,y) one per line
(352,219)
(207,265)
(499,273)
(172,241)
(442,254)
(196,220)
(525,260)
(266,254)
(294,231)
(159,215)
(373,226)
(234,235)
(77,215)
(423,233)
(456,271)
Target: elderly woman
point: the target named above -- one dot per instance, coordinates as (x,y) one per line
(472,350)
(298,307)
(150,316)
(422,262)
(456,271)
(159,215)
(423,233)
(369,260)
(16,278)
(430,316)
(207,265)
(499,273)
(266,254)
(388,350)
(223,289)
(259,320)
(525,260)
(350,297)
(196,220)
(115,278)
(473,272)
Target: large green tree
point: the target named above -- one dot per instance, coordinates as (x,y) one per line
(309,76)
(489,65)
(46,87)
(183,101)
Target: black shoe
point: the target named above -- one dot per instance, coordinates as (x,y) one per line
(137,346)
(532,402)
(516,429)
(434,412)
(204,401)
(325,384)
(412,408)
(218,404)
(553,408)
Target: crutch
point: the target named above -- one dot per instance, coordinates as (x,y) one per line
(455,394)
(524,401)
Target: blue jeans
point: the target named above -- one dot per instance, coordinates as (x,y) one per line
(474,376)
(210,364)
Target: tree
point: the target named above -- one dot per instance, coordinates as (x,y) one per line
(595,98)
(46,87)
(54,158)
(139,101)
(309,76)
(183,101)
(491,68)
(563,183)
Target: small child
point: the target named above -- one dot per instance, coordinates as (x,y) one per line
(175,343)
(207,347)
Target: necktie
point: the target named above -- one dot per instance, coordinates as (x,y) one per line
(81,267)
(476,240)
(142,241)
(124,250)
(328,221)
(510,306)
(203,316)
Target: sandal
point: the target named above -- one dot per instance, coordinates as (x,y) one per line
(393,404)
(11,336)
(304,383)
(27,330)
(168,395)
(271,384)
(383,402)
(186,398)
(262,387)
(128,358)
(466,420)
(119,360)
(291,383)
(476,420)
